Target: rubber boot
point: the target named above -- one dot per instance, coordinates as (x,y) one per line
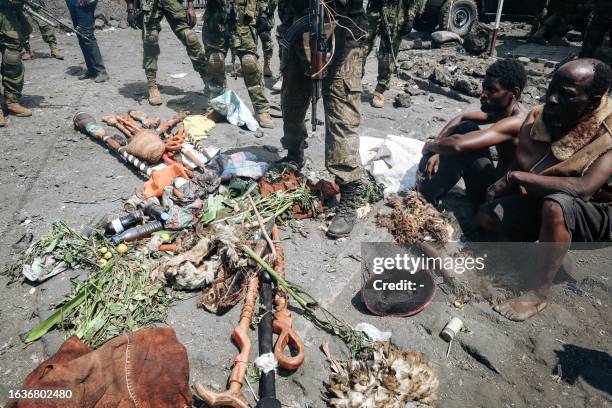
(267,68)
(154,95)
(57,54)
(346,211)
(378,100)
(16,109)
(265,121)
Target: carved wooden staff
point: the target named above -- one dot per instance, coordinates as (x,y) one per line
(233,396)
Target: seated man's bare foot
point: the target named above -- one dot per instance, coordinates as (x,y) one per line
(522,307)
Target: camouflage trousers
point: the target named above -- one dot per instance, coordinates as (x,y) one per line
(386,22)
(242,40)
(46,30)
(12,27)
(175,14)
(342,106)
(265,36)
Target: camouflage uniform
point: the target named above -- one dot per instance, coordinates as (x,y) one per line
(341,96)
(13,26)
(385,19)
(228,25)
(47,31)
(174,11)
(265,24)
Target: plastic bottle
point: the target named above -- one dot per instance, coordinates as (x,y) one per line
(118,225)
(137,232)
(158,212)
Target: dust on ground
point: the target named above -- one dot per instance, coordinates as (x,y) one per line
(560,358)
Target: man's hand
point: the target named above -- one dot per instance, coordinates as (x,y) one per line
(132,18)
(432,166)
(501,186)
(191,15)
(261,24)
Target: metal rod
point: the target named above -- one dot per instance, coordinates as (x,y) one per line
(500,6)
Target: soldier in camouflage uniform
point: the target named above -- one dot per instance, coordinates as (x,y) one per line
(342,105)
(12,27)
(284,14)
(182,20)
(386,19)
(231,24)
(265,24)
(48,35)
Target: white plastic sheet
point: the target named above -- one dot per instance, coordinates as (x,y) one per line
(392,161)
(236,112)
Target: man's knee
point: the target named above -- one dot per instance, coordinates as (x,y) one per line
(216,63)
(151,37)
(486,221)
(552,214)
(11,61)
(249,64)
(466,126)
(191,38)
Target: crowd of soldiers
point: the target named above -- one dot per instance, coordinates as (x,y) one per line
(237,26)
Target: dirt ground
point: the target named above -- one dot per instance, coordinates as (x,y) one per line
(560,358)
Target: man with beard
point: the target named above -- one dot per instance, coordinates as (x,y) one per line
(462,147)
(560,188)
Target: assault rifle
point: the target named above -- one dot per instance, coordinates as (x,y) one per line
(314,22)
(39,12)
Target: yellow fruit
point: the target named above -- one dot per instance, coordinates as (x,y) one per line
(108,255)
(102,262)
(103,250)
(166,237)
(122,248)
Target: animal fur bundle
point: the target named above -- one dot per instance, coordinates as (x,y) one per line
(413,219)
(383,377)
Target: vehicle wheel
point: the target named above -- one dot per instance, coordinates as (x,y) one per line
(458,15)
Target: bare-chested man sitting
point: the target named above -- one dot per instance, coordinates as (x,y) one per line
(560,188)
(462,148)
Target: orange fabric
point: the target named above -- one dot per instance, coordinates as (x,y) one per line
(157,373)
(162,178)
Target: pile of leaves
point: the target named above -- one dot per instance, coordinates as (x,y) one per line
(114,299)
(414,220)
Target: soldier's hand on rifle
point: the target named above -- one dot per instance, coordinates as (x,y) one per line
(191,15)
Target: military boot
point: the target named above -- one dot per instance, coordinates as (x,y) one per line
(378,100)
(346,211)
(27,55)
(16,109)
(265,120)
(2,118)
(267,68)
(293,159)
(154,95)
(56,53)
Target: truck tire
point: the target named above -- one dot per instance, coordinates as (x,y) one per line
(458,15)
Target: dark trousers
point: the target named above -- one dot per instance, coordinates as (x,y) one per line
(476,168)
(83,20)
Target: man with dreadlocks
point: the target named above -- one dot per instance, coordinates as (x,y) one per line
(388,19)
(461,149)
(341,91)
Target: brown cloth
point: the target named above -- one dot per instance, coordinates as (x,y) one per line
(145,369)
(580,147)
